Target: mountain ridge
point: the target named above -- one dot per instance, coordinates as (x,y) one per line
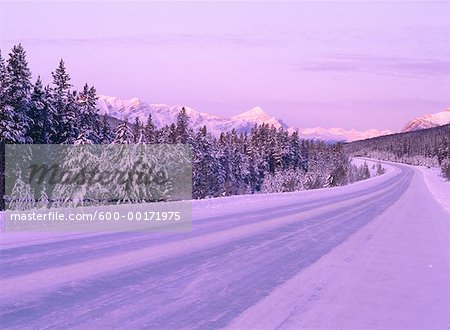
(163,114)
(428,121)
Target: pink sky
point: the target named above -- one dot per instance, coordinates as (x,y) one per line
(355,65)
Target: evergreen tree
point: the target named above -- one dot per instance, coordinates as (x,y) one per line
(72,112)
(21,198)
(182,127)
(171,136)
(74,189)
(365,172)
(88,118)
(6,121)
(339,167)
(2,81)
(63,101)
(426,147)
(40,115)
(9,132)
(106,135)
(380,169)
(129,163)
(123,134)
(208,177)
(137,130)
(283,181)
(43,201)
(445,168)
(238,173)
(150,131)
(82,139)
(16,89)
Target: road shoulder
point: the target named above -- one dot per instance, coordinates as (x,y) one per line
(437,185)
(393,273)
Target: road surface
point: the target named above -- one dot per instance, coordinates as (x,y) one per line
(375,254)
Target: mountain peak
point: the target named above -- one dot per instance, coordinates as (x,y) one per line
(252,113)
(339,134)
(256,110)
(163,114)
(428,121)
(256,115)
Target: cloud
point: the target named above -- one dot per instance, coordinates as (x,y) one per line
(381,65)
(185,39)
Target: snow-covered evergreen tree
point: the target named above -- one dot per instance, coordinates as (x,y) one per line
(83,139)
(15,89)
(445,168)
(43,201)
(75,188)
(150,131)
(88,119)
(283,181)
(364,171)
(2,82)
(123,134)
(106,135)
(64,106)
(22,197)
(9,130)
(182,133)
(380,169)
(133,167)
(208,176)
(71,124)
(236,164)
(339,167)
(41,115)
(137,130)
(426,147)
(169,134)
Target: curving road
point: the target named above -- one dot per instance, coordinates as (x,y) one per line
(371,255)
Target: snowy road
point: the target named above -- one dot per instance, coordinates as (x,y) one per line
(375,254)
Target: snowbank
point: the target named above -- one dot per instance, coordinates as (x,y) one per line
(438,186)
(371,163)
(219,206)
(386,276)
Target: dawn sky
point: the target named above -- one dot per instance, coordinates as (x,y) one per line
(349,64)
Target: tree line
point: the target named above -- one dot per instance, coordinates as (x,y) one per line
(265,159)
(427,147)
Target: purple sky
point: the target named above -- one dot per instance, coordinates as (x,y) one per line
(355,65)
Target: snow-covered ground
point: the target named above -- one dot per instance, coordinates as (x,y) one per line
(371,163)
(438,186)
(205,207)
(373,254)
(394,273)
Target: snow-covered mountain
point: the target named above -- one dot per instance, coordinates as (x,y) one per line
(428,121)
(163,114)
(340,134)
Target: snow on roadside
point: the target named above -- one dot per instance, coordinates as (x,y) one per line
(438,186)
(371,163)
(384,276)
(211,207)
